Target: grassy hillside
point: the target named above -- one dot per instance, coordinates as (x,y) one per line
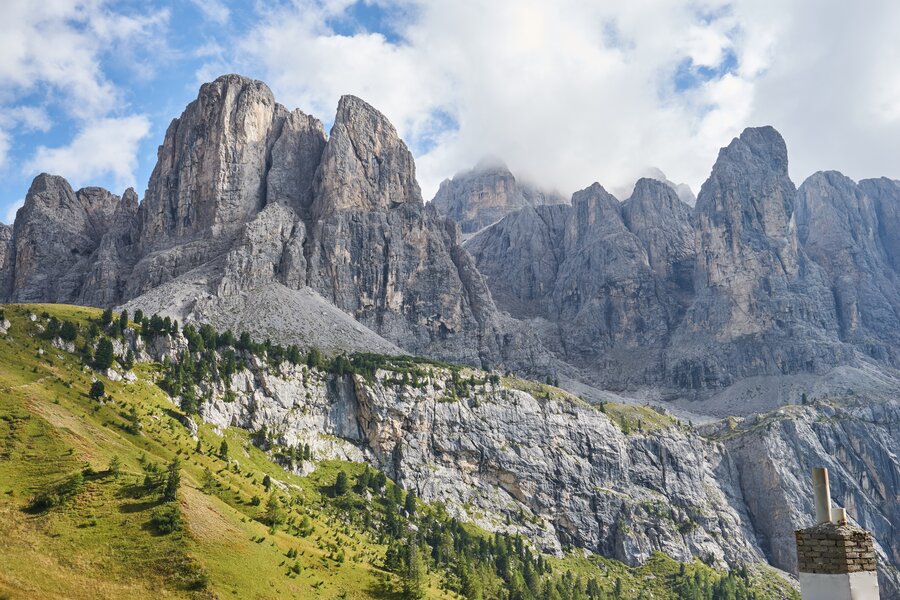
(84,513)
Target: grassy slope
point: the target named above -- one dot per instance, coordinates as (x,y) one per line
(99,544)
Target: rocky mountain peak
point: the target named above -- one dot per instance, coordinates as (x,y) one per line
(365,164)
(744,211)
(595,209)
(662,221)
(487,193)
(210,173)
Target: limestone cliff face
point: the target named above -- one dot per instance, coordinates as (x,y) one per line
(557,470)
(6,259)
(839,227)
(55,237)
(885,193)
(760,301)
(587,268)
(662,222)
(486,194)
(530,242)
(210,176)
(365,164)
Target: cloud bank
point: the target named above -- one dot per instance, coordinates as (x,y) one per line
(570,92)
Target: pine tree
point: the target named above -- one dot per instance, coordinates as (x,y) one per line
(115,466)
(413,575)
(128,363)
(97,390)
(275,514)
(173,480)
(105,355)
(107,317)
(223,450)
(267,482)
(123,321)
(342,484)
(69,331)
(410,504)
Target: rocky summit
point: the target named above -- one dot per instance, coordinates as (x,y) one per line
(487,193)
(775,304)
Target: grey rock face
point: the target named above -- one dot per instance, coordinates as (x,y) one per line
(762,307)
(486,194)
(210,173)
(503,453)
(54,238)
(295,156)
(885,193)
(6,260)
(111,263)
(365,165)
(607,299)
(662,222)
(582,268)
(401,273)
(530,240)
(839,227)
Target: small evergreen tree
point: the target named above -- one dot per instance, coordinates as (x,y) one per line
(267,482)
(68,332)
(128,362)
(413,575)
(97,390)
(173,480)
(275,514)
(223,450)
(115,466)
(410,504)
(342,484)
(123,321)
(138,316)
(105,355)
(107,317)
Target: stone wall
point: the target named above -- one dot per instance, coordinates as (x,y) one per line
(835,549)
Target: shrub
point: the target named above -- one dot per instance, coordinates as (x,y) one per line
(97,390)
(166,519)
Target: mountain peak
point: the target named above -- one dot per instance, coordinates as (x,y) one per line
(365,164)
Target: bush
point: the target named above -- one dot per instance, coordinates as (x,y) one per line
(165,519)
(97,390)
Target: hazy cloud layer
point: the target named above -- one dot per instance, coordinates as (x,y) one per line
(569,92)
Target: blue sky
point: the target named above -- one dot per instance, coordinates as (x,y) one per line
(567,92)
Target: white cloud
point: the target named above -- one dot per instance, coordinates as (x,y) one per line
(214,10)
(104,147)
(60,45)
(10,215)
(571,92)
(4,148)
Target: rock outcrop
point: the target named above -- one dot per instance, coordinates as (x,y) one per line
(55,237)
(613,277)
(486,194)
(770,307)
(365,165)
(6,259)
(839,226)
